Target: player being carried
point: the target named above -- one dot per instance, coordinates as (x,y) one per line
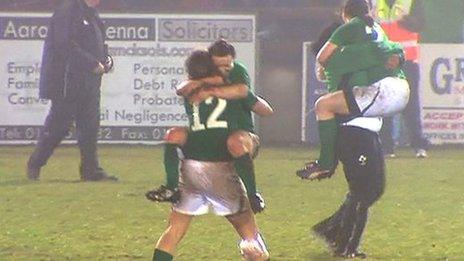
(226,79)
(359,51)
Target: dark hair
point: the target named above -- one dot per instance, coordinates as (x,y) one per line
(221,48)
(199,65)
(316,46)
(358,8)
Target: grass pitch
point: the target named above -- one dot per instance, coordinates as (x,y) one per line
(420,216)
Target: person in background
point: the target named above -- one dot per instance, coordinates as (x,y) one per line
(402,21)
(74,60)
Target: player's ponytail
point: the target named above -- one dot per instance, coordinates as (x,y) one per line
(359,8)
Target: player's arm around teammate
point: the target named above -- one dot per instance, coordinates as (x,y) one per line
(240,143)
(209,182)
(359,150)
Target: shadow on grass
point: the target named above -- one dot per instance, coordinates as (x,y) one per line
(323,256)
(26,182)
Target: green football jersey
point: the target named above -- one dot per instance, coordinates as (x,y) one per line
(239,75)
(362,54)
(210,123)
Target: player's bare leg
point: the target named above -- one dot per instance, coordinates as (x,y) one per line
(244,223)
(252,245)
(177,228)
(330,104)
(239,143)
(241,146)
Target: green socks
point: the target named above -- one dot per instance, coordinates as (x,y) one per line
(246,171)
(328,130)
(160,255)
(171,165)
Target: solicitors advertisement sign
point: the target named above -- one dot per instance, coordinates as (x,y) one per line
(138,100)
(442,92)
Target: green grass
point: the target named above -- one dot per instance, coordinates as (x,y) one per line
(420,216)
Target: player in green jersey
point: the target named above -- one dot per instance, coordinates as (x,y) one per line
(242,141)
(360,152)
(208,179)
(376,91)
(350,66)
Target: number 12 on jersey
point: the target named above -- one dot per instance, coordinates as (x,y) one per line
(212,120)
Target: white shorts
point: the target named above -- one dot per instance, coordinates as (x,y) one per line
(381,99)
(368,123)
(210,185)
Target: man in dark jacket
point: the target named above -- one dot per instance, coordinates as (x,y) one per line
(74,60)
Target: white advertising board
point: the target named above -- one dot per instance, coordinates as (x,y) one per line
(442,92)
(138,100)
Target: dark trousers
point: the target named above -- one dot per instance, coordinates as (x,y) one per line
(411,114)
(360,152)
(82,106)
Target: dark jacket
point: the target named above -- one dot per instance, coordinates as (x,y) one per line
(74,44)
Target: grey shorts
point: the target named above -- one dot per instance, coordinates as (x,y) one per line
(210,185)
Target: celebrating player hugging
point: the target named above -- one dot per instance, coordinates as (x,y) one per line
(217,170)
(362,70)
(375,88)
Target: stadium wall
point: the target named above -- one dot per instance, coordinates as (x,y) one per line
(281,30)
(138,102)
